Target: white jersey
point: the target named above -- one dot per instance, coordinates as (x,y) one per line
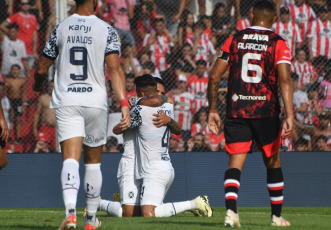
(152,156)
(81,44)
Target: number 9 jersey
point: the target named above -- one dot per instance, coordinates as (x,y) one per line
(253,55)
(81,44)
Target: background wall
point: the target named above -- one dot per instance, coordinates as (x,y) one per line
(33,180)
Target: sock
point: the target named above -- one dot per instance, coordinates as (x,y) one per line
(275,182)
(92,187)
(231,187)
(171,209)
(70,185)
(114,208)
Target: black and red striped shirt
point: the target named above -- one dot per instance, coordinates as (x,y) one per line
(253,56)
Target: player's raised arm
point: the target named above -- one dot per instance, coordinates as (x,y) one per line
(118,82)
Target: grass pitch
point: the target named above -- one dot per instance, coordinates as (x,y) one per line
(250,218)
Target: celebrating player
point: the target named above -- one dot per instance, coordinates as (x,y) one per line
(256,58)
(153,139)
(82,43)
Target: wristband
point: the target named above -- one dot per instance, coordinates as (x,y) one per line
(124,103)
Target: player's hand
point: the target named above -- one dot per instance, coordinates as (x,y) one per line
(161,119)
(4,130)
(214,122)
(125,121)
(287,127)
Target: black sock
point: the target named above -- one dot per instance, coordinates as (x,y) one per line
(275,182)
(231,188)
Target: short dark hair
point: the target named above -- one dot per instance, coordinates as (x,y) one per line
(200,24)
(201,62)
(264,5)
(301,141)
(78,2)
(159,80)
(15,65)
(156,20)
(321,137)
(130,76)
(144,81)
(149,65)
(13,26)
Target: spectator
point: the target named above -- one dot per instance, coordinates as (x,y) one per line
(172,11)
(27,32)
(184,64)
(130,86)
(13,52)
(197,85)
(288,30)
(161,89)
(319,36)
(197,144)
(221,24)
(303,15)
(301,145)
(129,63)
(321,144)
(123,11)
(159,44)
(201,126)
(103,12)
(42,144)
(315,106)
(305,70)
(145,22)
(244,22)
(319,64)
(314,132)
(111,146)
(209,25)
(185,28)
(202,46)
(174,143)
(44,117)
(184,106)
(325,88)
(36,9)
(149,68)
(300,99)
(16,94)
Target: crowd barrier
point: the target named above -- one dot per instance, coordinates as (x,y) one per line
(33,180)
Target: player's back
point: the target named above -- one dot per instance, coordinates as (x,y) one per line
(81,42)
(153,156)
(252,87)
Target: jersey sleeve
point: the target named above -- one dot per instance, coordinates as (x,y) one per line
(225,50)
(136,120)
(113,42)
(51,50)
(283,53)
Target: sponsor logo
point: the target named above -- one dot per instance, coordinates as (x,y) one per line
(79,89)
(83,28)
(89,139)
(131,194)
(252,98)
(235,97)
(96,140)
(165,158)
(256,37)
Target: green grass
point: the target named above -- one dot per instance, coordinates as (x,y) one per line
(250,218)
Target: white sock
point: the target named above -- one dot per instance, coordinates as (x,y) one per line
(171,209)
(70,185)
(92,187)
(114,208)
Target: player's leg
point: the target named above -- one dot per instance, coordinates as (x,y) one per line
(70,132)
(3,154)
(238,136)
(96,132)
(269,142)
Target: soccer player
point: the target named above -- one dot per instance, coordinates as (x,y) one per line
(256,58)
(82,43)
(4,134)
(150,137)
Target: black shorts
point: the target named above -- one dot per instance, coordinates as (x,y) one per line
(240,132)
(16,105)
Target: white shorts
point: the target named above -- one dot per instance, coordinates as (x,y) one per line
(77,121)
(155,187)
(129,186)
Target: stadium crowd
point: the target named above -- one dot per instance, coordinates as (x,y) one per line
(176,41)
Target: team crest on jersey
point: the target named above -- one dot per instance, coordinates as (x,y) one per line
(257,37)
(131,194)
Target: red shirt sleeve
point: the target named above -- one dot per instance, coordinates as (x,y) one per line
(226,46)
(283,53)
